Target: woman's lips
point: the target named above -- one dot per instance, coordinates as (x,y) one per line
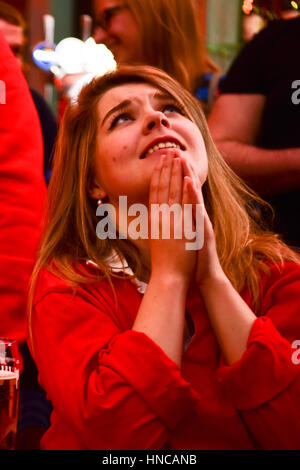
(165,144)
(164,151)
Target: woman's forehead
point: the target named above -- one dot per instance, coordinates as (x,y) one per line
(133,92)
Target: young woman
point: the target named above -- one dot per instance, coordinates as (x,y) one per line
(142,343)
(161,33)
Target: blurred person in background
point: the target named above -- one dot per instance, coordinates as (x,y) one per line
(161,33)
(277,9)
(252,24)
(22,196)
(255,121)
(22,145)
(13,28)
(258,15)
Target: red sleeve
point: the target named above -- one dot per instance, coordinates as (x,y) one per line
(264,385)
(22,193)
(103,380)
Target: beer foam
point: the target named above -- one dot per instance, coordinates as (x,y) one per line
(8,375)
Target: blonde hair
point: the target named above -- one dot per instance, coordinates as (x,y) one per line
(244,247)
(171,38)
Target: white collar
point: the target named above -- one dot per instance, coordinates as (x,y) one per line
(118,264)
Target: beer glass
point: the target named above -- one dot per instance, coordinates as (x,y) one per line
(9,393)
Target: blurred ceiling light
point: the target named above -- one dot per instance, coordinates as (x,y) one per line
(80,59)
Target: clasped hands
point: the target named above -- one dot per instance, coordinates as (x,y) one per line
(175,181)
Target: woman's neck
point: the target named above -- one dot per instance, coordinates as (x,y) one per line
(144,250)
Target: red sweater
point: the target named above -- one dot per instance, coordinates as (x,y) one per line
(114,388)
(22,193)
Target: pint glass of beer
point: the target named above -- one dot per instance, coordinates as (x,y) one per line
(9,393)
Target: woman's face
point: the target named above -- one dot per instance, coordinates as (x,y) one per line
(134,121)
(118,30)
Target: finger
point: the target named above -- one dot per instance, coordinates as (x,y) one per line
(154,183)
(198,205)
(186,193)
(164,180)
(190,170)
(186,200)
(197,201)
(175,190)
(194,191)
(186,168)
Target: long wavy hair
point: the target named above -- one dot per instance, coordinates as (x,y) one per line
(171,38)
(244,247)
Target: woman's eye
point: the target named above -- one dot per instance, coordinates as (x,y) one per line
(120,119)
(172,108)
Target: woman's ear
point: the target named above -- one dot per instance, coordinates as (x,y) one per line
(96,192)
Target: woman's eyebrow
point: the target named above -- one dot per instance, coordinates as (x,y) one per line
(124,104)
(163,96)
(119,106)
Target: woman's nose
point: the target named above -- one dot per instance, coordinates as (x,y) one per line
(154,120)
(99,35)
